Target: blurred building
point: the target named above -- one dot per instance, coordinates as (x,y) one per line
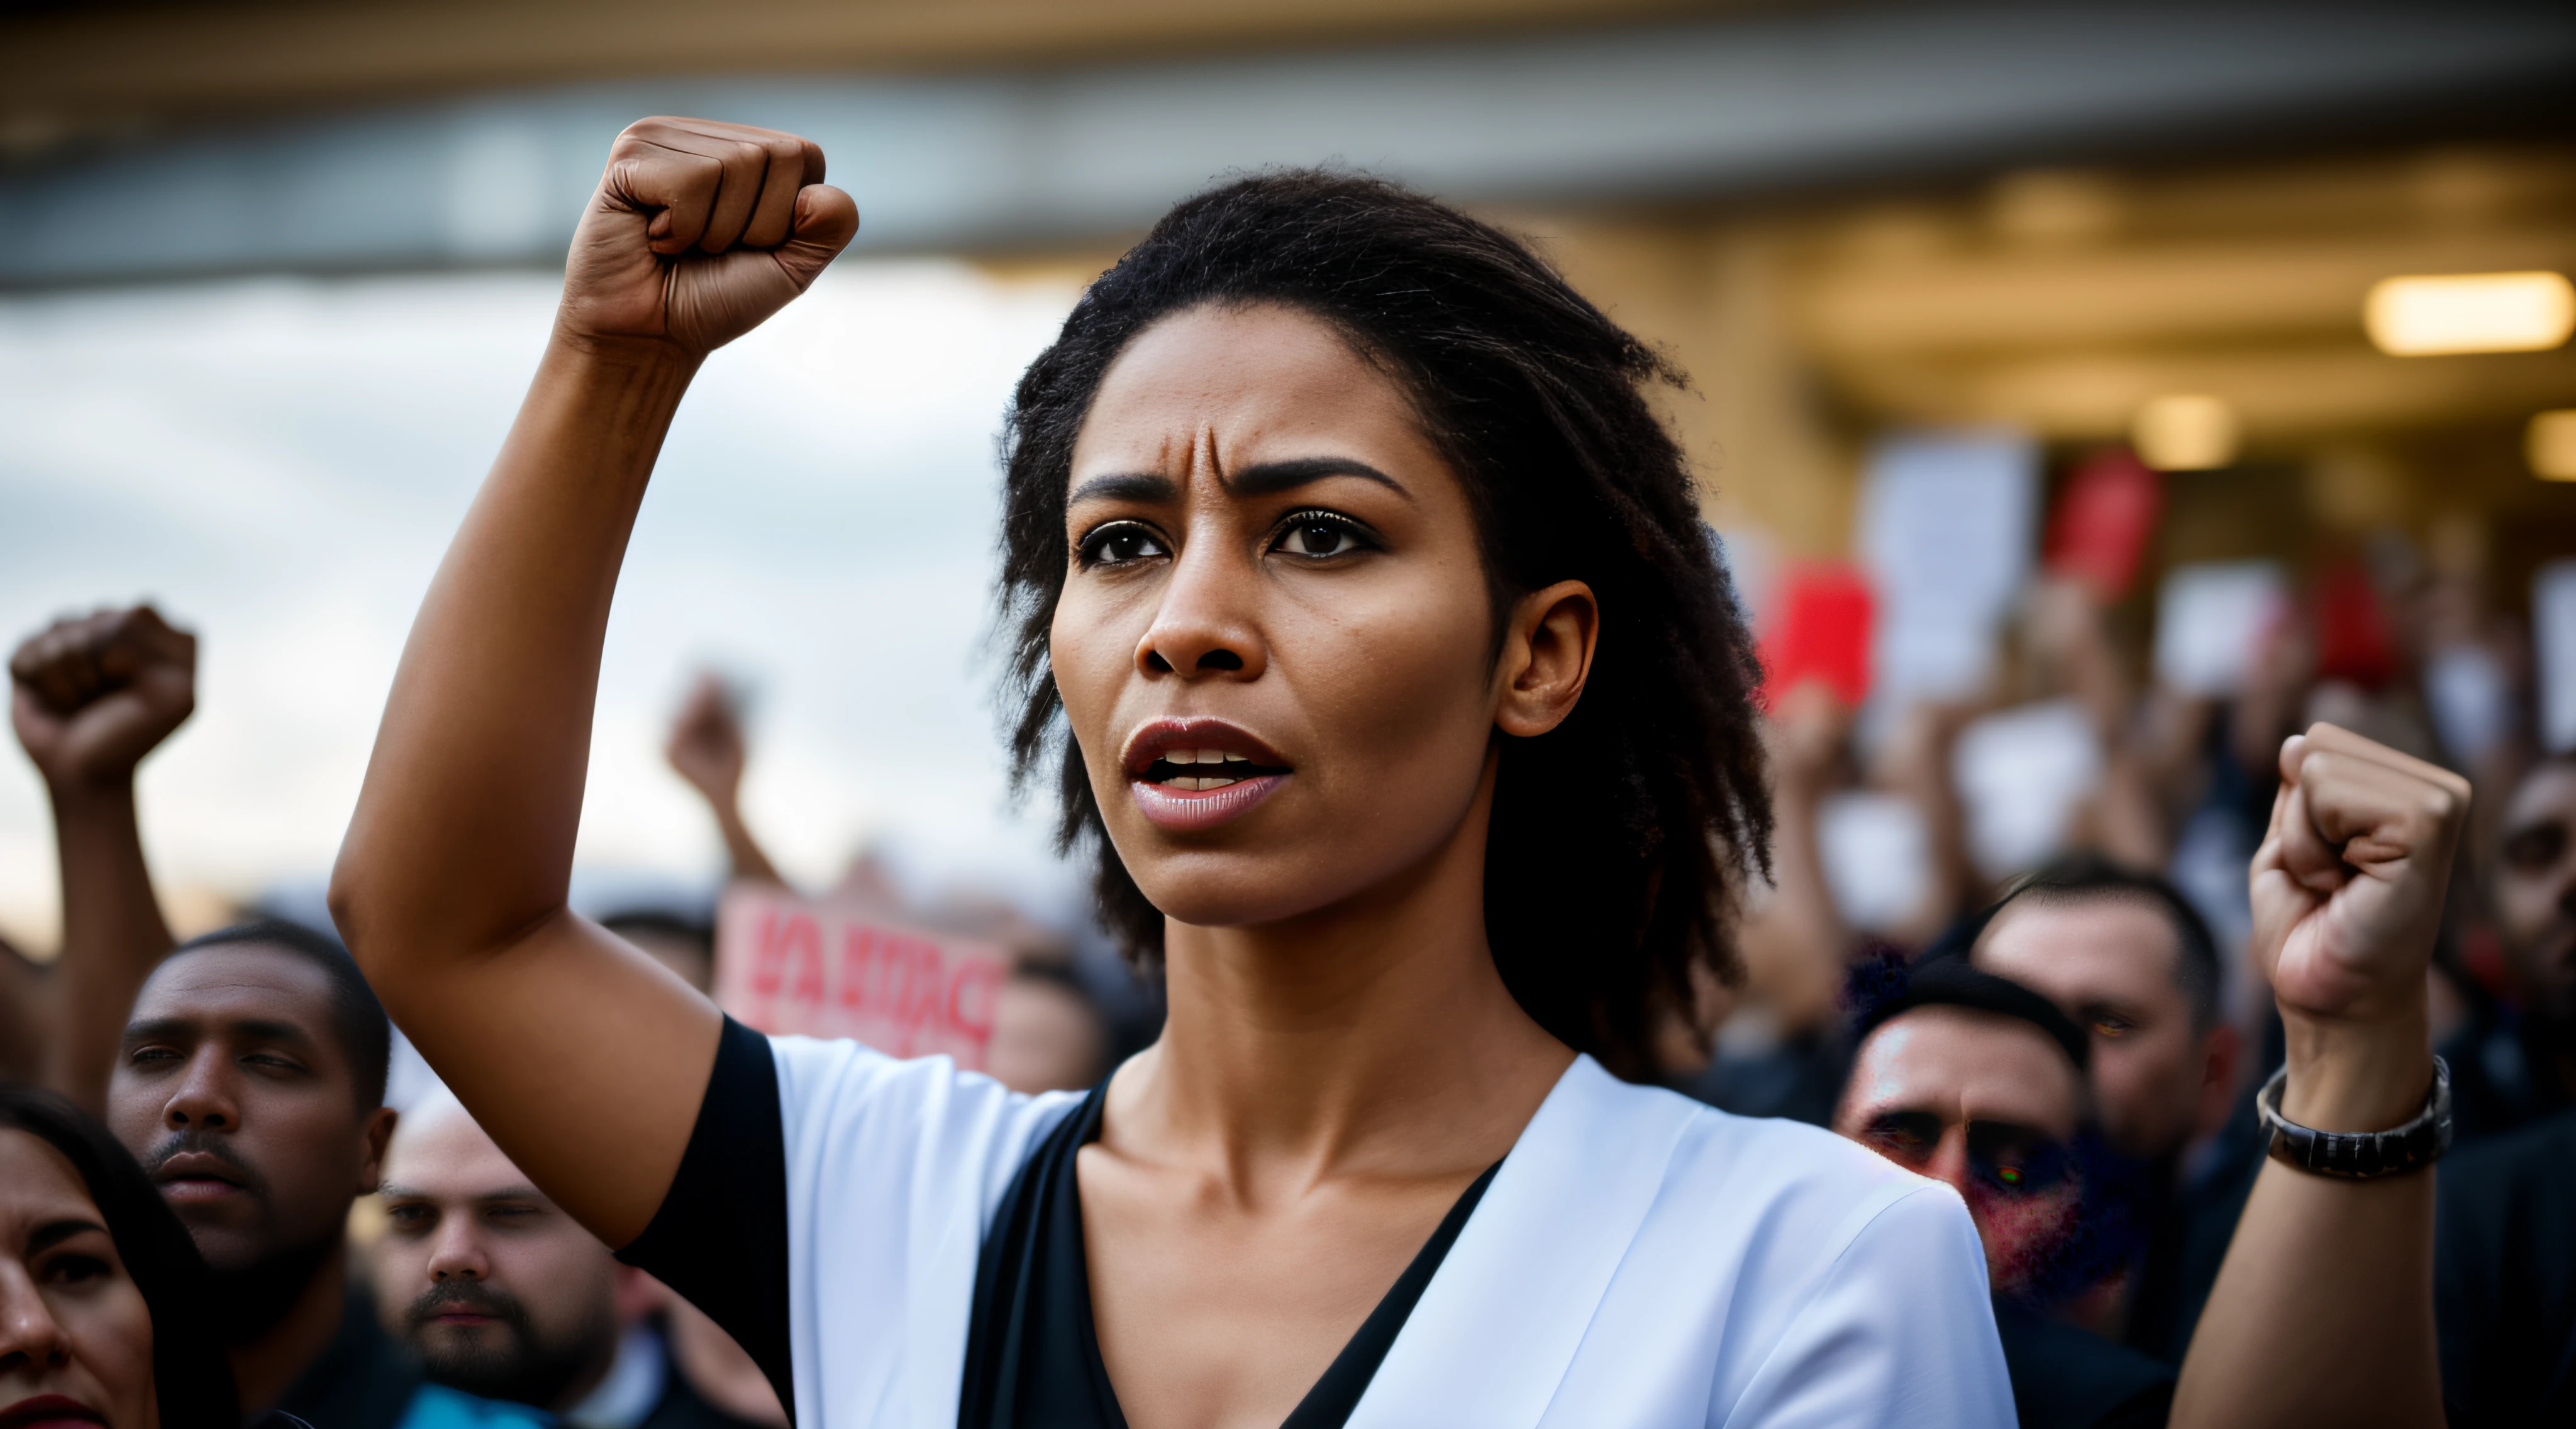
(1840,217)
(2116,222)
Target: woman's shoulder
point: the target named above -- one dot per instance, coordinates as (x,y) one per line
(1742,1161)
(843,1104)
(1738,1200)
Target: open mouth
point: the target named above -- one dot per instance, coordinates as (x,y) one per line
(1197,773)
(1197,770)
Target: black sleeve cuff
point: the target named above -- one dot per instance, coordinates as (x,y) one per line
(720,1238)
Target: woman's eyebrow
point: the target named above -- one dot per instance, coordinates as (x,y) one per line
(1125,486)
(54,1233)
(1270,477)
(1260,479)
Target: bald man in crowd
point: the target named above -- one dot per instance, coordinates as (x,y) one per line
(501,1294)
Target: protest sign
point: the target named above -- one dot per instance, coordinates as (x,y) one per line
(2021,773)
(2553,640)
(1945,529)
(1877,856)
(1818,630)
(815,967)
(2099,532)
(2212,620)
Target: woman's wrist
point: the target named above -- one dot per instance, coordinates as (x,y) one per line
(2356,1075)
(617,359)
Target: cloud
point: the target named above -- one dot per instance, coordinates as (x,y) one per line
(281,462)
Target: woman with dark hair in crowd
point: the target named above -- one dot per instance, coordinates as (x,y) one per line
(1366,626)
(105,1313)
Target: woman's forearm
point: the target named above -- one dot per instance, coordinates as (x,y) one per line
(463,834)
(2323,1309)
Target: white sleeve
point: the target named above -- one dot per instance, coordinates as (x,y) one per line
(892,1168)
(1899,1332)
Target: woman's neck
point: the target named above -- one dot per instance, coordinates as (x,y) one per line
(1373,1036)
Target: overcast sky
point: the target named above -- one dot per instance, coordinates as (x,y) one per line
(279,464)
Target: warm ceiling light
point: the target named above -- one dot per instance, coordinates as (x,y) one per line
(2550,444)
(2184,431)
(2470,312)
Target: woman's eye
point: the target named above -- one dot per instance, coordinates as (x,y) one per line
(1316,537)
(1112,545)
(75,1269)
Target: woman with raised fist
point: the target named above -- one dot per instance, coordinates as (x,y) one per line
(1368,633)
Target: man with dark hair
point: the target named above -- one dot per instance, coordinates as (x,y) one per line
(2126,957)
(2515,1063)
(2505,1286)
(251,1087)
(1980,1083)
(245,1070)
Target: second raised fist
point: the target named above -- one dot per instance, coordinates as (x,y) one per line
(699,231)
(92,695)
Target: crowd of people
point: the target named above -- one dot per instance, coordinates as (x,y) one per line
(2192,1133)
(2101,1010)
(244,1076)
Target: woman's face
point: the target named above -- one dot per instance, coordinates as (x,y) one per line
(1275,642)
(75,1335)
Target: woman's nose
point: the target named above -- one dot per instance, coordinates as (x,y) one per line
(1207,623)
(30,1338)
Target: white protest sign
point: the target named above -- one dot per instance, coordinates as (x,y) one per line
(1946,526)
(1877,856)
(2020,775)
(2212,621)
(2553,642)
(813,967)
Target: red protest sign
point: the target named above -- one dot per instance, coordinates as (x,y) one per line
(2103,521)
(1820,630)
(813,967)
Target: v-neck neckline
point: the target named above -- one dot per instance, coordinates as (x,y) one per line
(1036,1255)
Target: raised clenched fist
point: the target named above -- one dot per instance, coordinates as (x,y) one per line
(91,696)
(2348,885)
(707,746)
(698,231)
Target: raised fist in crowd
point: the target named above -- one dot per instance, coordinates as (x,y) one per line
(2348,885)
(91,696)
(707,747)
(698,231)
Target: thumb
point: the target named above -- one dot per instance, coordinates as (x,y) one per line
(825,221)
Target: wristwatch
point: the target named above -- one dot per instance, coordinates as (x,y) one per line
(2360,1155)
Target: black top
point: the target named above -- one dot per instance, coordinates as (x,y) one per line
(1032,1354)
(2065,1378)
(2504,1289)
(361,1380)
(2503,1074)
(2191,1219)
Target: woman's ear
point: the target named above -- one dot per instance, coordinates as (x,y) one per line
(1547,655)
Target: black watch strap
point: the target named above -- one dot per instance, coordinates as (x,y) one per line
(2360,1155)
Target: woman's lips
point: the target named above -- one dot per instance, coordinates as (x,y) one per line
(1189,810)
(50,1411)
(1192,774)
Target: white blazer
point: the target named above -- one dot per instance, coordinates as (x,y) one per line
(1640,1260)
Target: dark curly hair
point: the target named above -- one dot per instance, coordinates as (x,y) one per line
(1621,839)
(190,1375)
